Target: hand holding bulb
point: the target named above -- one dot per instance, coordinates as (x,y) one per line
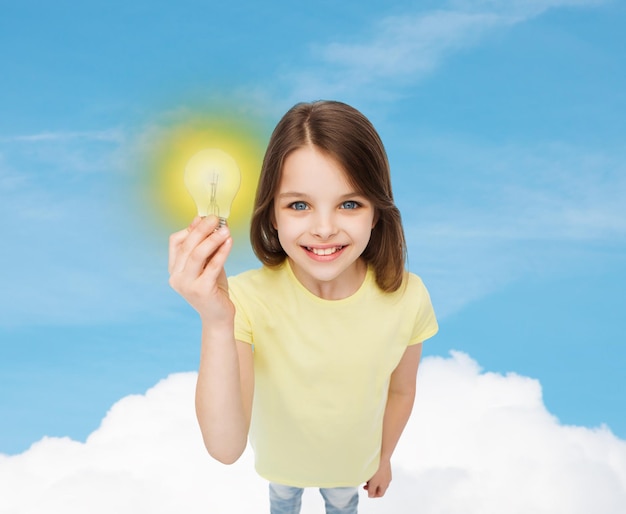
(212,177)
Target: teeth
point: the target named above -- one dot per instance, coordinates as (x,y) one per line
(324,251)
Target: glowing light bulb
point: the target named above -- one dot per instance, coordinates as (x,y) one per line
(212,177)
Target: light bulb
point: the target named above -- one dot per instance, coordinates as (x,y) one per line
(212,178)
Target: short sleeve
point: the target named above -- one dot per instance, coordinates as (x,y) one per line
(425,324)
(243,326)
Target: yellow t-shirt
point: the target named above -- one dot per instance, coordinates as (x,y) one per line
(322,370)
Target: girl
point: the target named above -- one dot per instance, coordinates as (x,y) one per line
(314,355)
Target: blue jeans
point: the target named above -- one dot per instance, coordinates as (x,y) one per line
(285,499)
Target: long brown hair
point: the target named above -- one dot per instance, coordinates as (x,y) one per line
(346,135)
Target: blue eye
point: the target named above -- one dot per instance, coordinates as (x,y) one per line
(350,204)
(298,206)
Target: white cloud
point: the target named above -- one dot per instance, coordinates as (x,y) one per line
(511,212)
(520,8)
(109,135)
(72,200)
(403,49)
(477,442)
(66,208)
(409,45)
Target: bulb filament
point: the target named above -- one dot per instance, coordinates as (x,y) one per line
(213,207)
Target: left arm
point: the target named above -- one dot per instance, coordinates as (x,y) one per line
(399,405)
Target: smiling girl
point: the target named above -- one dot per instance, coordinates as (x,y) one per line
(313,356)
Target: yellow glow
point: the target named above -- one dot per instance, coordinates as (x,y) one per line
(170,153)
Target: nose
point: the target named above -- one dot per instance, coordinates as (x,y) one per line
(324,225)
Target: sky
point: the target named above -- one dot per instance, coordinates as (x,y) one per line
(504,126)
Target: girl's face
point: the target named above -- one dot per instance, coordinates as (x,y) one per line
(323,224)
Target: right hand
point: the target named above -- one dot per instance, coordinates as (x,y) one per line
(197,255)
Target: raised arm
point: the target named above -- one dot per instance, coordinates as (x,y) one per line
(225,384)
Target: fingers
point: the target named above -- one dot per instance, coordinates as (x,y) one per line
(183,242)
(209,254)
(197,258)
(375,490)
(176,239)
(194,222)
(207,260)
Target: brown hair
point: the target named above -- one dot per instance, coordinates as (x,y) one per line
(346,135)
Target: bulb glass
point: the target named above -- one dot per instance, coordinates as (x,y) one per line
(212,178)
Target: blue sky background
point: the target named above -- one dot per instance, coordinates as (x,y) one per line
(505,127)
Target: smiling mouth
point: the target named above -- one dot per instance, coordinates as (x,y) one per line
(324,251)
